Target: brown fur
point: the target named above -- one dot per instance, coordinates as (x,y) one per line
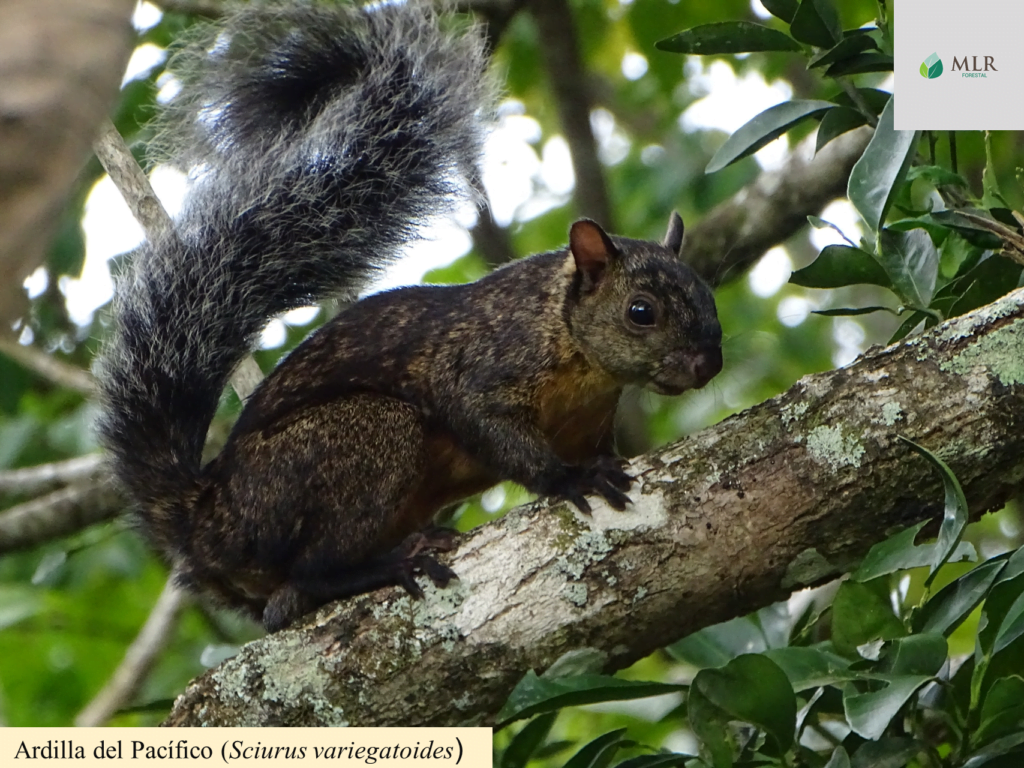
(414,399)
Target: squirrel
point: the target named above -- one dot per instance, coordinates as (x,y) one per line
(319,141)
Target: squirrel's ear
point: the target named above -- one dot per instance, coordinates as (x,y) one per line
(674,237)
(592,249)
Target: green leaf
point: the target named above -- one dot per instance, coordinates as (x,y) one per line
(534,695)
(976,227)
(1014,566)
(869,714)
(953,603)
(839,759)
(922,654)
(954,518)
(764,128)
(878,173)
(957,254)
(710,725)
(810,667)
(817,23)
(655,761)
(937,175)
(874,98)
(1002,713)
(844,49)
(835,123)
(991,196)
(1004,615)
(781,9)
(841,265)
(861,63)
(19,602)
(525,743)
(895,752)
(600,752)
(861,613)
(898,553)
(912,264)
(728,37)
(992,278)
(719,644)
(750,688)
(989,755)
(852,311)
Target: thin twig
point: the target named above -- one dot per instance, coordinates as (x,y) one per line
(138,660)
(43,477)
(48,367)
(858,100)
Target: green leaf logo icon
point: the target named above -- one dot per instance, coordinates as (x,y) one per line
(931,67)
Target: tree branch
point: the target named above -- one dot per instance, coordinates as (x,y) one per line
(785,495)
(138,660)
(772,209)
(49,367)
(59,513)
(556,30)
(44,477)
(133,184)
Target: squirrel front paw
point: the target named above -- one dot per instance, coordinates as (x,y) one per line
(603,477)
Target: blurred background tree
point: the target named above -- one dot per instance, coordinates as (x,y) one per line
(595,121)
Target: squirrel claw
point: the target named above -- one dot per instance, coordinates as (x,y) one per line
(604,478)
(580,502)
(440,575)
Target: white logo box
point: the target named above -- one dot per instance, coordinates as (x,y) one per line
(980,46)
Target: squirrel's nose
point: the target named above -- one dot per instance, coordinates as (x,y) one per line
(706,364)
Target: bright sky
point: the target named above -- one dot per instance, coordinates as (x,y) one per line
(522,176)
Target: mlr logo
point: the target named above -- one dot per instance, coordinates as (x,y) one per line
(931,67)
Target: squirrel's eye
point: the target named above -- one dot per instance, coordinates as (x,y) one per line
(641,312)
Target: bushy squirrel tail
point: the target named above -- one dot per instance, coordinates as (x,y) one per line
(319,139)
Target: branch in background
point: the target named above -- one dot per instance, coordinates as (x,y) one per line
(44,477)
(772,209)
(491,240)
(59,513)
(49,367)
(60,65)
(138,660)
(556,31)
(788,494)
(133,184)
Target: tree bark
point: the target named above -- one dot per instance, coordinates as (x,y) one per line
(785,495)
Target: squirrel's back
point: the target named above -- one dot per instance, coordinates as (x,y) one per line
(319,139)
